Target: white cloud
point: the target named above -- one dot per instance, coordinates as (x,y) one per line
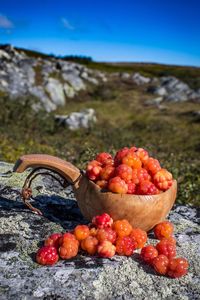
(67,24)
(5,23)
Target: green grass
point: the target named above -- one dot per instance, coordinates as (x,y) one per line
(171,135)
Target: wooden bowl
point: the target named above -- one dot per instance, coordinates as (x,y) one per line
(141,211)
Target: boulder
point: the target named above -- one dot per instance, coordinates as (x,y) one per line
(139,79)
(84,277)
(55,91)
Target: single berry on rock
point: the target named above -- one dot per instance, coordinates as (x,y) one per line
(152,165)
(160,264)
(140,175)
(93,170)
(103,157)
(81,232)
(122,227)
(166,248)
(148,253)
(107,172)
(53,240)
(102,221)
(146,188)
(102,184)
(132,160)
(142,154)
(164,229)
(117,185)
(119,155)
(125,246)
(90,245)
(106,234)
(124,172)
(163,179)
(139,236)
(131,188)
(177,267)
(106,249)
(47,255)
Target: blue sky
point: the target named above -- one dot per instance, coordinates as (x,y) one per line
(121,30)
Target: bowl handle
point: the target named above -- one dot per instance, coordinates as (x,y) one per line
(64,168)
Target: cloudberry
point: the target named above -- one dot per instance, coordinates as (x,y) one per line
(132,160)
(146,188)
(171,240)
(106,249)
(177,267)
(152,165)
(90,245)
(106,234)
(131,188)
(140,175)
(133,149)
(142,154)
(139,236)
(93,231)
(53,240)
(93,170)
(66,237)
(160,264)
(102,221)
(117,185)
(166,248)
(103,157)
(107,172)
(125,246)
(122,227)
(148,253)
(163,179)
(124,172)
(81,232)
(163,230)
(69,246)
(102,184)
(47,255)
(119,155)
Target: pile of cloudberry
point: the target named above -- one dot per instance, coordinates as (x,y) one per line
(131,171)
(105,238)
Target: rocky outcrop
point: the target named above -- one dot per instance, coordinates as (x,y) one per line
(50,80)
(21,233)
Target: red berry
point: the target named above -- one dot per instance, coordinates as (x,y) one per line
(106,234)
(171,240)
(81,232)
(139,236)
(102,184)
(124,172)
(163,230)
(119,155)
(117,185)
(131,188)
(132,160)
(142,154)
(122,227)
(107,172)
(163,179)
(53,240)
(90,245)
(152,165)
(177,267)
(166,248)
(93,170)
(102,221)
(140,175)
(148,253)
(106,249)
(103,157)
(125,246)
(160,264)
(47,255)
(146,188)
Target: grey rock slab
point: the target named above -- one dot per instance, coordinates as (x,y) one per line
(84,277)
(139,79)
(55,90)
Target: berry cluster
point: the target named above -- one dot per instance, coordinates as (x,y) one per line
(107,238)
(131,171)
(162,256)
